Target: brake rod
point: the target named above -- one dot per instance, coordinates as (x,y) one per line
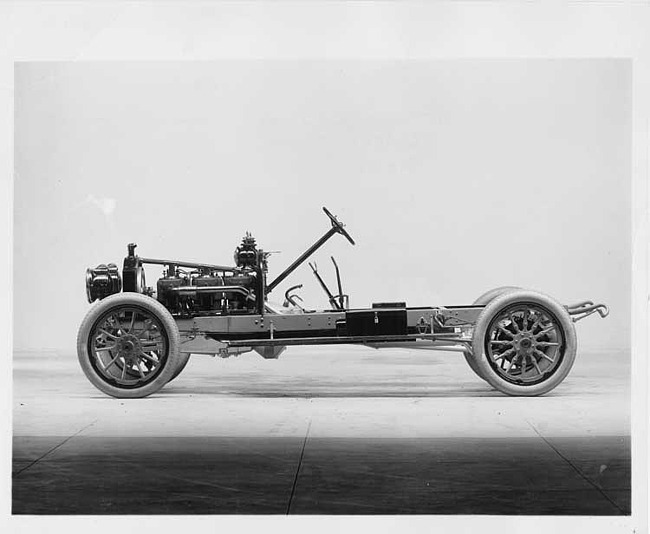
(338,281)
(325,288)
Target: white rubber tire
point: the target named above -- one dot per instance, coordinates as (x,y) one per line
(563,322)
(483,300)
(149,305)
(183,358)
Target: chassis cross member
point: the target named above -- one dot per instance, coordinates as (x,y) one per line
(135,338)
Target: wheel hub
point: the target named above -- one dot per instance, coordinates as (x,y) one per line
(524,343)
(128,345)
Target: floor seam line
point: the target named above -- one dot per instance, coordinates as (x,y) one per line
(53,449)
(295,480)
(575,468)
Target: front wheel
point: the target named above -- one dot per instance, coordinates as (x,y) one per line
(128,345)
(524,343)
(183,358)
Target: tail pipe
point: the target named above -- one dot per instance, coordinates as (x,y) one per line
(584,309)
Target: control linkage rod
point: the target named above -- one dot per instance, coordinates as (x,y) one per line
(337,228)
(332,298)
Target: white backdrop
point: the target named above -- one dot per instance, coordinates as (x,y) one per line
(453,177)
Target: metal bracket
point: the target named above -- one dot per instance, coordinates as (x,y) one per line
(586,308)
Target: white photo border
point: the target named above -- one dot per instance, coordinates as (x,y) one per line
(400,30)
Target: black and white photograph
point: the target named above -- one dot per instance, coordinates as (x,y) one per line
(327,286)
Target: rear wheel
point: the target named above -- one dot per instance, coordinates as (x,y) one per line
(524,343)
(128,345)
(483,300)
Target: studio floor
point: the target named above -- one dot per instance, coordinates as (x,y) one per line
(322,430)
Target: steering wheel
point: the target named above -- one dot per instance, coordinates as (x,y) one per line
(338,225)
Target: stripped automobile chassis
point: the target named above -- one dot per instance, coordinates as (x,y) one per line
(135,339)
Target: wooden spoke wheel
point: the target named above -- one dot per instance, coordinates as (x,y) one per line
(524,343)
(128,345)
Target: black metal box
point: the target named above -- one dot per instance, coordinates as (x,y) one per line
(376,323)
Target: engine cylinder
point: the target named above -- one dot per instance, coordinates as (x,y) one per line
(208,301)
(236,302)
(163,291)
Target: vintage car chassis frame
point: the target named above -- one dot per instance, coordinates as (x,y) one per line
(216,335)
(520,342)
(452,327)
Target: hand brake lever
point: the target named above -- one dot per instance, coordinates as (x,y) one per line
(331,297)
